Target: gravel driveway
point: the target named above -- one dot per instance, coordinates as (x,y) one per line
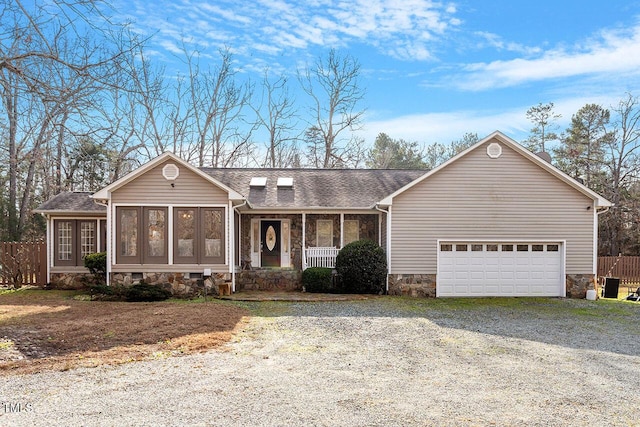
(367,363)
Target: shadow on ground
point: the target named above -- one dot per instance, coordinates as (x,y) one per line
(603,325)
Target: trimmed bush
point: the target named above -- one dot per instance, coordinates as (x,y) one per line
(318,279)
(96,263)
(362,267)
(145,292)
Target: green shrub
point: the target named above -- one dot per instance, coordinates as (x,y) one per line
(96,264)
(362,268)
(146,292)
(318,279)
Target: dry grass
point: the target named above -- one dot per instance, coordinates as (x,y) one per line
(58,330)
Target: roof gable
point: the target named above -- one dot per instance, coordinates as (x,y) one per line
(501,138)
(105,193)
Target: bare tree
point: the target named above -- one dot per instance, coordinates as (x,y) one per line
(276,115)
(623,165)
(334,88)
(54,58)
(216,103)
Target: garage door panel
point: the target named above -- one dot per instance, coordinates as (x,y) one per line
(529,269)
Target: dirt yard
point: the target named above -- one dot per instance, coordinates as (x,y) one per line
(61,330)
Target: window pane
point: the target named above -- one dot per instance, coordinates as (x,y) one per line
(507,248)
(285,236)
(476,248)
(128,232)
(523,248)
(446,248)
(186,232)
(461,248)
(213,232)
(351,231)
(492,248)
(87,238)
(256,235)
(537,248)
(552,248)
(324,233)
(156,232)
(64,240)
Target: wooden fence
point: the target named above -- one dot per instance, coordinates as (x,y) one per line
(23,263)
(626,268)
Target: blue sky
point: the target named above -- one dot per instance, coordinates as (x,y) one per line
(432,70)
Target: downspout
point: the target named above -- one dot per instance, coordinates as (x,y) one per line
(233,261)
(108,245)
(388,212)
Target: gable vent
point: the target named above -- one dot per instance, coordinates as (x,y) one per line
(170,172)
(285,182)
(258,181)
(494,150)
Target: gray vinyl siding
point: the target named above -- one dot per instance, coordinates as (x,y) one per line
(152,187)
(477,197)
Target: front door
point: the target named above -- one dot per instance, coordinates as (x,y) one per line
(270,243)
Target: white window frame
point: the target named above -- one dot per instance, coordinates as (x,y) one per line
(344,230)
(324,221)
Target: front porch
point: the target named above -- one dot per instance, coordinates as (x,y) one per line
(274,249)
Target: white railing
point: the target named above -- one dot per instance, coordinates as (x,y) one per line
(321,257)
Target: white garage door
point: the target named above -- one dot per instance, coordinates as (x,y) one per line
(500,269)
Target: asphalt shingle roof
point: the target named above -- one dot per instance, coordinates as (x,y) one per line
(312,189)
(316,188)
(71,201)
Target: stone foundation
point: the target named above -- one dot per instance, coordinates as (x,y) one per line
(414,285)
(579,284)
(265,279)
(424,285)
(73,281)
(179,285)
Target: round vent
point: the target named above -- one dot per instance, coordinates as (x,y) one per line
(494,150)
(170,172)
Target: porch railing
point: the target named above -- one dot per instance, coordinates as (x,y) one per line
(321,257)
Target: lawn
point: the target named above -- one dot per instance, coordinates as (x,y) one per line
(59,330)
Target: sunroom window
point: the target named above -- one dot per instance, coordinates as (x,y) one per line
(74,239)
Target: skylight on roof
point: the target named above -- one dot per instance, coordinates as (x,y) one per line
(258,181)
(285,182)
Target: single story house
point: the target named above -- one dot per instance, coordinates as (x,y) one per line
(495,220)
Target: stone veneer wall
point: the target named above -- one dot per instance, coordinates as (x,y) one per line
(579,284)
(68,280)
(413,285)
(177,283)
(265,279)
(424,285)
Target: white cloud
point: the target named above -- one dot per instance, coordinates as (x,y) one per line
(445,127)
(404,29)
(615,51)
